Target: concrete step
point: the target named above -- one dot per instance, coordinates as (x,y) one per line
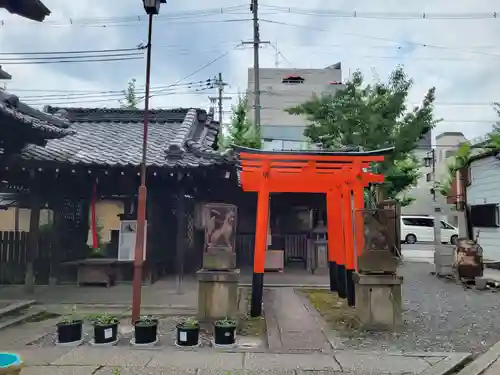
(11,307)
(21,316)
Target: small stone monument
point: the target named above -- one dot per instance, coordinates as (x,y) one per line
(218,279)
(320,265)
(378,288)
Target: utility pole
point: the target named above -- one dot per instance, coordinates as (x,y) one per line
(436,207)
(254,8)
(219,84)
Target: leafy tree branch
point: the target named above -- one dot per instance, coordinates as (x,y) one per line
(374,116)
(241,131)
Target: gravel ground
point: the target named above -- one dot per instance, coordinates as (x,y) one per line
(439,316)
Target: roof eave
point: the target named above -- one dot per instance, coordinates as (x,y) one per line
(384,151)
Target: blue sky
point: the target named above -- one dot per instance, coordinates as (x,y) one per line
(459,57)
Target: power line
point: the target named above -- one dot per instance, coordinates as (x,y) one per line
(115,90)
(89,21)
(383,39)
(70,61)
(118,94)
(384,15)
(443,121)
(105,99)
(116,50)
(73,58)
(200,68)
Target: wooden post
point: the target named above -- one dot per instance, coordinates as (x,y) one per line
(55,240)
(180,236)
(34,234)
(341,253)
(260,248)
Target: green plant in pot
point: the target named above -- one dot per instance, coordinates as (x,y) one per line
(69,328)
(105,328)
(188,332)
(225,331)
(146,330)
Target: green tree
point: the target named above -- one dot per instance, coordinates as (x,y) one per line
(130,100)
(374,116)
(240,132)
(494,137)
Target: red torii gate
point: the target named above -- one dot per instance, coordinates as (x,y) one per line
(342,176)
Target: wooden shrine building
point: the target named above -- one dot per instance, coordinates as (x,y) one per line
(341,176)
(95,166)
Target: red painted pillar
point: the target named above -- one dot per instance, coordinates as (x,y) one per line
(262,223)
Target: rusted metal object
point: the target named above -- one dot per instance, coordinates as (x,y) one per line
(468,260)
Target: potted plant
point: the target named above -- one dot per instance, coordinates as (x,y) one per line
(69,328)
(225,331)
(188,332)
(145,330)
(105,328)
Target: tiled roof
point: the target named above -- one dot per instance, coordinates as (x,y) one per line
(20,116)
(33,9)
(181,138)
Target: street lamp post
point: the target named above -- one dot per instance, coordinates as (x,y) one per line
(151,7)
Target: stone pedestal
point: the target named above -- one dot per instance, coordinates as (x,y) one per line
(378,301)
(377,261)
(217,294)
(321,258)
(219,259)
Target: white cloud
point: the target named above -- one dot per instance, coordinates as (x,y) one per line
(183,45)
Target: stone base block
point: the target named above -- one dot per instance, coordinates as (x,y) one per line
(219,260)
(217,294)
(378,261)
(378,301)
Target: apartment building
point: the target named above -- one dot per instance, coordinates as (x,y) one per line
(284,88)
(445,147)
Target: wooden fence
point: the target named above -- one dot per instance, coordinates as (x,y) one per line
(13,248)
(294,244)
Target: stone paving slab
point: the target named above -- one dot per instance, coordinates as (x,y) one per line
(147,371)
(355,362)
(40,356)
(197,359)
(209,361)
(290,326)
(60,370)
(94,356)
(312,361)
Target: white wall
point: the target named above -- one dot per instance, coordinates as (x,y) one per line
(485,189)
(276,97)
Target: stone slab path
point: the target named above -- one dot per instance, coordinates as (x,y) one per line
(290,326)
(86,360)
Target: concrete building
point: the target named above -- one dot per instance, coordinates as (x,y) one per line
(483,196)
(284,88)
(445,147)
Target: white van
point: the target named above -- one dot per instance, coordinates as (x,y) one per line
(421,229)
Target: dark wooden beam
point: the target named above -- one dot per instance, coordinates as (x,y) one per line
(34,233)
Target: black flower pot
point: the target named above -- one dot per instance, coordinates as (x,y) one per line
(145,332)
(105,333)
(69,331)
(224,335)
(188,335)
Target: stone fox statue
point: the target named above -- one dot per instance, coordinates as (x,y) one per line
(222,235)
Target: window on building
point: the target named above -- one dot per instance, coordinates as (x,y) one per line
(485,216)
(293,79)
(428,177)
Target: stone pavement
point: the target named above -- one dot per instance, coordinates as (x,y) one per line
(290,326)
(86,360)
